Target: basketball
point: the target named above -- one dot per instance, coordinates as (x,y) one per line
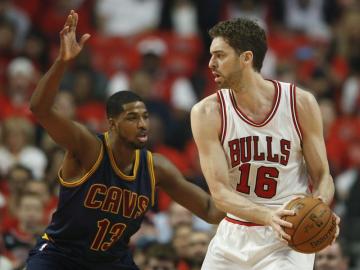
(314,225)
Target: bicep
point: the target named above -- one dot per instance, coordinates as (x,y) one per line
(211,153)
(313,141)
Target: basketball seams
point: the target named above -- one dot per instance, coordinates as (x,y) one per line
(308,240)
(302,219)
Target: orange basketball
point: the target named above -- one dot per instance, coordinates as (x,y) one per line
(314,225)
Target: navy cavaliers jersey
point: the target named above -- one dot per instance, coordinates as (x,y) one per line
(98,213)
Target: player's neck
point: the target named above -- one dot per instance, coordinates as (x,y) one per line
(124,155)
(253,93)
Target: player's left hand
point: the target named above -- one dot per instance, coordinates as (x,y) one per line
(69,47)
(280,223)
(337,228)
(337,218)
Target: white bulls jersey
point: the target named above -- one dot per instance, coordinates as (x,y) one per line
(265,159)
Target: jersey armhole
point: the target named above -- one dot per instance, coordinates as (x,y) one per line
(152,176)
(77,182)
(223,115)
(294,113)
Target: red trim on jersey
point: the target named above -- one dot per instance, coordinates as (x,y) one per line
(294,111)
(269,116)
(239,222)
(223,116)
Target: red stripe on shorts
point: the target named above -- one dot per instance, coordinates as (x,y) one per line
(239,222)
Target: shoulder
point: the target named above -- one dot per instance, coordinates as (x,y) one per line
(305,100)
(206,105)
(207,109)
(164,169)
(160,162)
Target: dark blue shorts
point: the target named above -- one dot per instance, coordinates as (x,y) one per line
(46,256)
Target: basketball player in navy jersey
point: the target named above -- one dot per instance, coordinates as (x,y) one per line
(258,140)
(107,181)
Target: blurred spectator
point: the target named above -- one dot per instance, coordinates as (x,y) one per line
(252,9)
(333,257)
(21,78)
(55,157)
(343,132)
(160,257)
(57,10)
(328,113)
(198,245)
(31,7)
(180,242)
(146,235)
(36,48)
(176,91)
(20,239)
(16,180)
(17,147)
(87,86)
(18,18)
(306,16)
(7,52)
(350,96)
(42,190)
(126,17)
(159,49)
(347,32)
(179,16)
(165,222)
(5,263)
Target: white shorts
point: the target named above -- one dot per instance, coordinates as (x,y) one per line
(242,247)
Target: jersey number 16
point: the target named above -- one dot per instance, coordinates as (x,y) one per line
(265,183)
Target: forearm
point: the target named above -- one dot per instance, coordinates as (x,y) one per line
(237,205)
(324,189)
(44,95)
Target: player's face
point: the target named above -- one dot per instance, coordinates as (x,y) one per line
(225,64)
(132,124)
(330,259)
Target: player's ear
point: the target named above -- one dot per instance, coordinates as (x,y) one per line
(111,123)
(247,57)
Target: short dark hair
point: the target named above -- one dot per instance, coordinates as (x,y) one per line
(243,35)
(114,104)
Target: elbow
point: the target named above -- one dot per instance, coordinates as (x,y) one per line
(219,199)
(36,109)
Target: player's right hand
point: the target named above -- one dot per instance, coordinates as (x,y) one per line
(278,224)
(69,47)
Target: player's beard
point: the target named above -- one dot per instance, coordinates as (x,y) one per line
(137,145)
(132,143)
(233,80)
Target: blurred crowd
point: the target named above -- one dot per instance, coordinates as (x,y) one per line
(159,49)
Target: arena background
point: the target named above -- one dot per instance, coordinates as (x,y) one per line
(159,49)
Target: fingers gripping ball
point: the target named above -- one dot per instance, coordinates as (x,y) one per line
(314,225)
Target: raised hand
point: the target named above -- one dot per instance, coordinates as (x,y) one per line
(69,47)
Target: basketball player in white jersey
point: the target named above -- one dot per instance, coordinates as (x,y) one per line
(258,141)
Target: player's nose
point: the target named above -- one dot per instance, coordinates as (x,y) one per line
(212,64)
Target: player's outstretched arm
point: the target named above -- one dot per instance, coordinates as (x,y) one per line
(72,136)
(171,180)
(206,124)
